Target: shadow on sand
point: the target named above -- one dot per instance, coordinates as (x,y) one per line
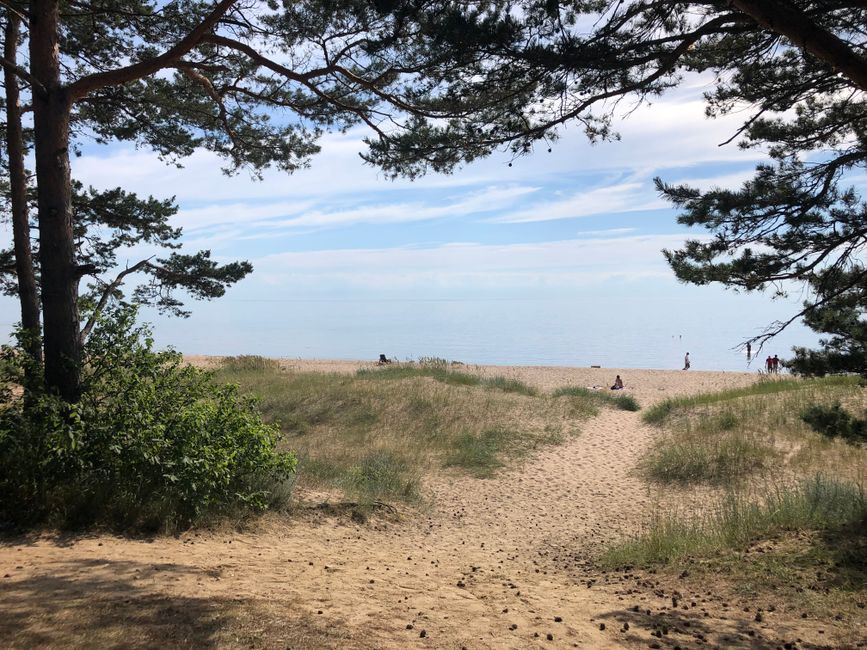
(99,603)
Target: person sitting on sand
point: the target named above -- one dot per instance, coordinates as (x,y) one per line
(618,383)
(383,360)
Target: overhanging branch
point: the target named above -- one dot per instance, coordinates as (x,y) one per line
(803,32)
(92,82)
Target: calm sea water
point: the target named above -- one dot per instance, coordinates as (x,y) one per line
(639,333)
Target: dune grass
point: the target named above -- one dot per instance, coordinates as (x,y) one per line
(661,412)
(720,460)
(443,373)
(783,512)
(736,520)
(375,435)
(723,438)
(619,401)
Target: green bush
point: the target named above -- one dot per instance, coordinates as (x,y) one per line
(835,422)
(152,443)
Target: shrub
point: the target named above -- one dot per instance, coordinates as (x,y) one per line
(151,443)
(835,422)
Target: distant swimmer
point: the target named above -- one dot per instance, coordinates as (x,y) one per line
(686,362)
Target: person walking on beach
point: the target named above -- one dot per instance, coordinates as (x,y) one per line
(769,364)
(686,362)
(776,364)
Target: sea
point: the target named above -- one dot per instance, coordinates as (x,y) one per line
(638,333)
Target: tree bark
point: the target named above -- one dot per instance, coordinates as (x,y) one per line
(51,116)
(789,21)
(27,292)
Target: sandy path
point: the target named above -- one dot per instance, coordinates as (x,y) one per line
(497,563)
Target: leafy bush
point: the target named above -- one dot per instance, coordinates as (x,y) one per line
(835,422)
(152,443)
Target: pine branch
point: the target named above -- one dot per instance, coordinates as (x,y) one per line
(88,84)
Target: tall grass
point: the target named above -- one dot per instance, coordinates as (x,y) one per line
(819,503)
(376,434)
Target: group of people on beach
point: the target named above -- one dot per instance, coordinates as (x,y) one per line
(772,364)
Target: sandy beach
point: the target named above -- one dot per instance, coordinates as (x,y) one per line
(486,563)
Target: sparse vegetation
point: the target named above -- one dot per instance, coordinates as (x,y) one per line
(373,435)
(723,438)
(439,370)
(785,509)
(659,413)
(737,519)
(622,402)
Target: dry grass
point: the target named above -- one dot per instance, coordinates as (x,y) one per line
(784,511)
(725,438)
(376,434)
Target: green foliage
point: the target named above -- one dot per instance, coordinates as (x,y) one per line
(840,316)
(622,402)
(819,503)
(151,443)
(835,422)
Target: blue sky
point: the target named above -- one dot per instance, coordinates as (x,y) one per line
(579,221)
(578,214)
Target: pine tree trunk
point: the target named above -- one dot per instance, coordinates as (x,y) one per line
(51,116)
(27,292)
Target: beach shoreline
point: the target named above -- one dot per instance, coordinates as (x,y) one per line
(648,385)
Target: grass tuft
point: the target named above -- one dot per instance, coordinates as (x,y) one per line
(479,453)
(380,475)
(819,503)
(622,402)
(720,460)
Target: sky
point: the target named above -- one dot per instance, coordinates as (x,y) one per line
(581,222)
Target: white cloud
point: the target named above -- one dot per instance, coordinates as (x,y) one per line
(544,264)
(672,132)
(625,197)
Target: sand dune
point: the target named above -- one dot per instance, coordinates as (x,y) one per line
(490,563)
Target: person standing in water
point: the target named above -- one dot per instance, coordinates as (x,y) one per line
(749,351)
(686,362)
